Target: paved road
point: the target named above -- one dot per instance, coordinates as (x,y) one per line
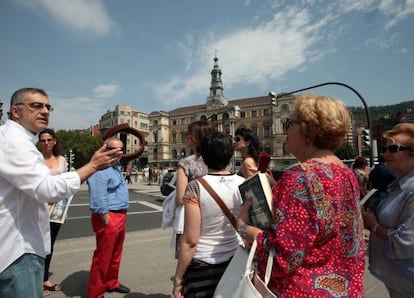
(145,212)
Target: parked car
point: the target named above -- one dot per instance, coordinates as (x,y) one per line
(168,182)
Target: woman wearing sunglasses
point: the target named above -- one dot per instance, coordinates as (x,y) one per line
(317,229)
(49,146)
(247,143)
(391,244)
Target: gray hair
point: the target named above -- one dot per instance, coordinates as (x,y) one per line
(106,142)
(19,96)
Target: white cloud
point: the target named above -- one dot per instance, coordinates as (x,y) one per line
(250,55)
(396,10)
(106,90)
(289,40)
(75,113)
(82,16)
(83,111)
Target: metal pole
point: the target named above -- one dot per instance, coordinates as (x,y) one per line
(371,151)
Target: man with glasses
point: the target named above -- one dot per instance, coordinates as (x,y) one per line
(108,202)
(25,188)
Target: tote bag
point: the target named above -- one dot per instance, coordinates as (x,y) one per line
(168,210)
(240,279)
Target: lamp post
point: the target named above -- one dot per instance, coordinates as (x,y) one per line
(275,97)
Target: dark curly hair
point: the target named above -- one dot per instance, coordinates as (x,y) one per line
(254,147)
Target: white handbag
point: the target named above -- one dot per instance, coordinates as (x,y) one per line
(240,279)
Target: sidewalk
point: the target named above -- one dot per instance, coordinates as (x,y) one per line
(148,263)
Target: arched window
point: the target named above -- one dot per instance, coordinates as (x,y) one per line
(284,108)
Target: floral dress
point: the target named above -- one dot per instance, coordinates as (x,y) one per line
(317,233)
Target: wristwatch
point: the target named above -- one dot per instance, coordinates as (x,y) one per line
(243,231)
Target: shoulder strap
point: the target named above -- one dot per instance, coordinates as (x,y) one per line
(219,201)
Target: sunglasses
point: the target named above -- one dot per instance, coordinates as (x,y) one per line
(46,140)
(36,106)
(289,122)
(108,148)
(396,148)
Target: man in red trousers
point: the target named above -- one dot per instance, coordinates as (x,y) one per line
(108,202)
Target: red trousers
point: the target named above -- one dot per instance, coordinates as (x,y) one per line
(107,255)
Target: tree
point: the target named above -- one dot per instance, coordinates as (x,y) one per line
(345,151)
(83,145)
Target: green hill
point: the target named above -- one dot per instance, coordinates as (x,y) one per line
(382,112)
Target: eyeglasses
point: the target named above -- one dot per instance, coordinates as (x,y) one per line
(237,139)
(112,148)
(36,106)
(46,140)
(289,122)
(396,148)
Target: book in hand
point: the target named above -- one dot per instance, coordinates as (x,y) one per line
(59,210)
(364,201)
(258,188)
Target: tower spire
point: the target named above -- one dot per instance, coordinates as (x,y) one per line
(216,87)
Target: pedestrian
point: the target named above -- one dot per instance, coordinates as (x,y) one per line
(391,237)
(108,202)
(317,230)
(128,172)
(209,240)
(360,170)
(189,168)
(50,148)
(379,178)
(247,143)
(26,186)
(150,174)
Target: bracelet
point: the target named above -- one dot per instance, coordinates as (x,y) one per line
(177,284)
(375,228)
(243,231)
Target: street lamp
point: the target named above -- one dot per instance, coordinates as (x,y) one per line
(276,96)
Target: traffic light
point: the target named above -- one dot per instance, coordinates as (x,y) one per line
(273,96)
(366,138)
(71,159)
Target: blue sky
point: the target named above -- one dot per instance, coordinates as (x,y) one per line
(90,55)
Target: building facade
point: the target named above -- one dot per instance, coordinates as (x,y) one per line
(124,114)
(167,130)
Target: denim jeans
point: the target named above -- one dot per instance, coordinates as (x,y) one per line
(23,278)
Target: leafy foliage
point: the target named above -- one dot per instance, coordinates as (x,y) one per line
(382,112)
(82,145)
(346,151)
